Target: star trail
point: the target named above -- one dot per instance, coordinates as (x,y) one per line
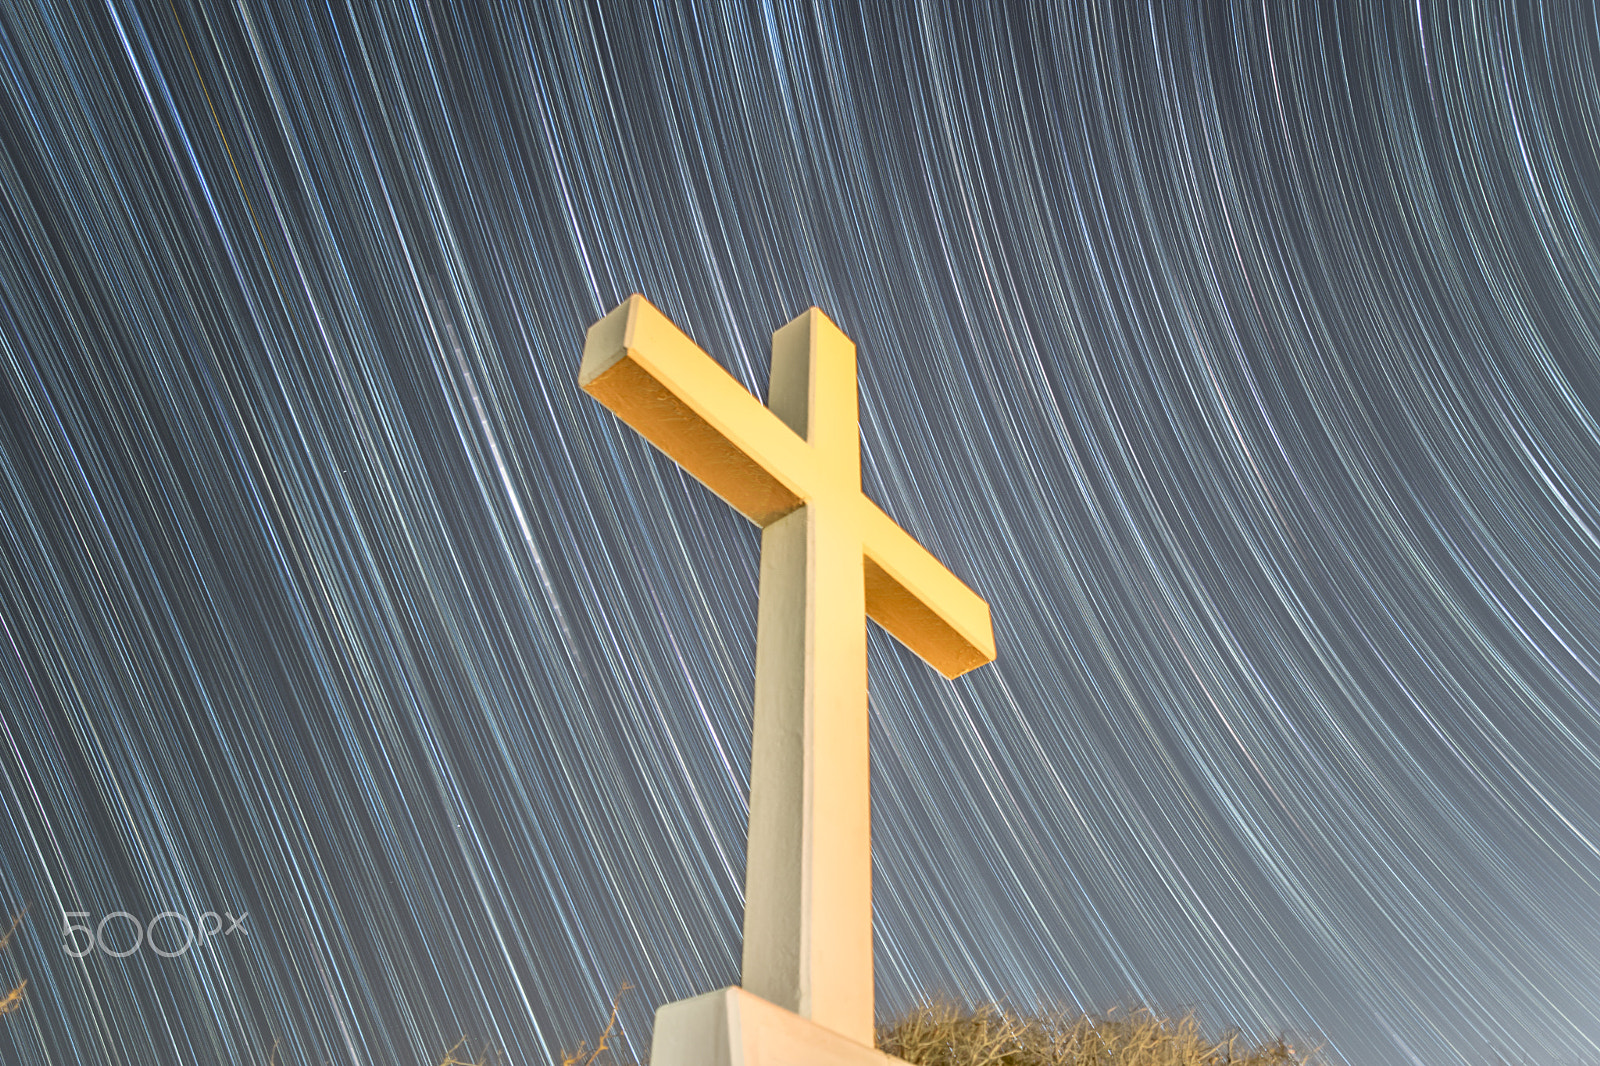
(1244,357)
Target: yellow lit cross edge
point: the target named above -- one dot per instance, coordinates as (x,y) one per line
(829,556)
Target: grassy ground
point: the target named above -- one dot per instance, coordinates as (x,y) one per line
(940,1034)
(944,1035)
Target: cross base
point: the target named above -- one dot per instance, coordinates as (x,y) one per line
(732,1027)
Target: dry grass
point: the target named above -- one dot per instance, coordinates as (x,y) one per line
(940,1034)
(453,1056)
(583,1056)
(13,999)
(16,920)
(17,995)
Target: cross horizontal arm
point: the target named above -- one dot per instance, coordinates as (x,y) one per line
(657,380)
(651,375)
(920,602)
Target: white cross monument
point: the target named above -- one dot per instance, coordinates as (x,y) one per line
(830,558)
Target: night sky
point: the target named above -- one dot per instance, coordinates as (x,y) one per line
(1246,359)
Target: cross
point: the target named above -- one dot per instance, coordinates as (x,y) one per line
(829,559)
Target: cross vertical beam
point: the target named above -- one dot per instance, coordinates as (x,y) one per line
(808,877)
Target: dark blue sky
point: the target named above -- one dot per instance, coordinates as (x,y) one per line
(1246,359)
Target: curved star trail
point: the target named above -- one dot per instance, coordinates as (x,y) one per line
(1245,357)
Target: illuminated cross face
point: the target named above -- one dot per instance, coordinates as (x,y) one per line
(829,559)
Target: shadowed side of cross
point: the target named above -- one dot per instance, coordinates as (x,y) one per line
(829,558)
